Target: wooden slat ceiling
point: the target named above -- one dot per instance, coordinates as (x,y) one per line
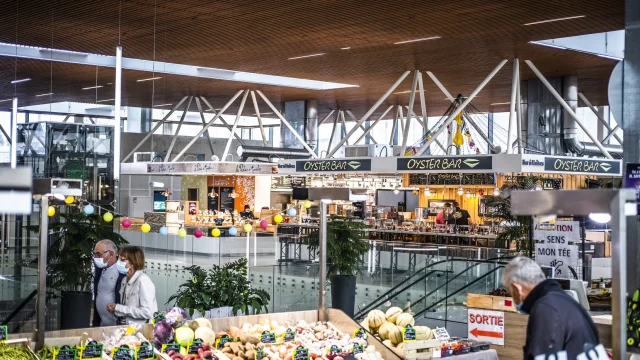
(259,36)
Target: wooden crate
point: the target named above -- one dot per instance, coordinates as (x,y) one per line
(423,349)
(490,302)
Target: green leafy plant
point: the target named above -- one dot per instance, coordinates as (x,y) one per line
(220,286)
(344,245)
(72,239)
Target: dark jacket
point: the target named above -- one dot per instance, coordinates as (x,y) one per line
(462,220)
(96,280)
(556,320)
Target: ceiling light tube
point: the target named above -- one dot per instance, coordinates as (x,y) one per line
(553,20)
(345,48)
(305,56)
(416,40)
(20,80)
(105,100)
(160,105)
(92,87)
(5,100)
(47,94)
(150,79)
(502,103)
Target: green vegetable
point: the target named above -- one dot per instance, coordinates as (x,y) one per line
(12,352)
(47,352)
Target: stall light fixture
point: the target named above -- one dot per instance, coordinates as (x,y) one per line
(601,218)
(305,56)
(460,191)
(427,192)
(496,191)
(416,40)
(92,87)
(396,190)
(20,80)
(554,20)
(149,79)
(47,94)
(468,194)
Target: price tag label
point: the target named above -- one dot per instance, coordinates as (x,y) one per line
(158,317)
(65,353)
(360,333)
(409,334)
(441,333)
(195,346)
(268,337)
(4,333)
(123,353)
(334,349)
(223,340)
(93,350)
(170,346)
(357,349)
(145,352)
(301,353)
(289,335)
(260,354)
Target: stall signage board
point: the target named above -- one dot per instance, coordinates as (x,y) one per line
(558,247)
(334,165)
(632,181)
(210,167)
(570,165)
(445,163)
(486,325)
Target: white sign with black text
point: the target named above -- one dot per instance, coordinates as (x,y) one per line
(558,247)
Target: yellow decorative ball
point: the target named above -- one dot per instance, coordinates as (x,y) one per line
(107,217)
(145,228)
(278,219)
(182,233)
(247,227)
(51,211)
(307,204)
(69,200)
(215,232)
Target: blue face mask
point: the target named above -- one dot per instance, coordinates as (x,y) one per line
(122,267)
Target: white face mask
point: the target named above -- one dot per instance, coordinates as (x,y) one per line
(99,263)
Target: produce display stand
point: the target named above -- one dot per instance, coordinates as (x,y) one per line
(491,302)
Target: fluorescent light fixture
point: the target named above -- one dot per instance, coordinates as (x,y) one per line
(5,100)
(305,56)
(406,92)
(416,40)
(553,20)
(161,105)
(155,184)
(92,87)
(150,79)
(601,218)
(105,100)
(20,80)
(264,113)
(502,103)
(47,94)
(345,48)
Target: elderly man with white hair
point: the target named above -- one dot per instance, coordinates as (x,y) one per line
(106,282)
(556,320)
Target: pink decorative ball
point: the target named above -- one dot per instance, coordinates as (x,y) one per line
(263,224)
(197,233)
(126,223)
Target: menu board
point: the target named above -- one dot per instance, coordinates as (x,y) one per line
(212,202)
(226,202)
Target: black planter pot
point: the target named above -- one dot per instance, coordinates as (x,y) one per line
(75,310)
(343,293)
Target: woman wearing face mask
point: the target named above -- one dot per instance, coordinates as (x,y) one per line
(137,293)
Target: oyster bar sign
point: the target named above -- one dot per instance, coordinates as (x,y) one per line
(334,165)
(571,165)
(446,163)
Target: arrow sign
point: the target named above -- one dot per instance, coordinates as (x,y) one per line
(492,334)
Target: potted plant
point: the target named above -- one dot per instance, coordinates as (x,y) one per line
(70,263)
(221,291)
(344,251)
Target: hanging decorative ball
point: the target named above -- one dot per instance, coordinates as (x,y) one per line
(247,228)
(307,204)
(51,211)
(292,212)
(126,223)
(69,200)
(215,232)
(107,217)
(163,230)
(88,210)
(233,231)
(278,219)
(145,228)
(263,224)
(198,233)
(182,233)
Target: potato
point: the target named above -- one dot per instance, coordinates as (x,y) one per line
(250,355)
(249,347)
(237,358)
(226,350)
(241,354)
(260,345)
(243,337)
(252,339)
(235,348)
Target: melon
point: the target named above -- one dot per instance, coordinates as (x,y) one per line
(392,314)
(387,343)
(405,319)
(422,332)
(376,319)
(395,335)
(384,330)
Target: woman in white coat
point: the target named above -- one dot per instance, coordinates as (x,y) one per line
(137,292)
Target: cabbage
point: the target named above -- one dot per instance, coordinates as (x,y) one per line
(203,322)
(162,332)
(206,334)
(175,316)
(184,335)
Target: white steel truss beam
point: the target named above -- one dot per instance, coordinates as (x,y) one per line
(361,127)
(412,99)
(235,126)
(175,136)
(257,110)
(612,132)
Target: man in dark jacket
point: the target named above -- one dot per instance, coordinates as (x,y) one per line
(556,320)
(106,282)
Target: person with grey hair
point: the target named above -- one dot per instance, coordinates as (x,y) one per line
(106,282)
(556,320)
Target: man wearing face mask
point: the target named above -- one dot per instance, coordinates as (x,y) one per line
(556,320)
(106,282)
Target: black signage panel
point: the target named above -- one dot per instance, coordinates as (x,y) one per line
(337,165)
(579,165)
(443,163)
